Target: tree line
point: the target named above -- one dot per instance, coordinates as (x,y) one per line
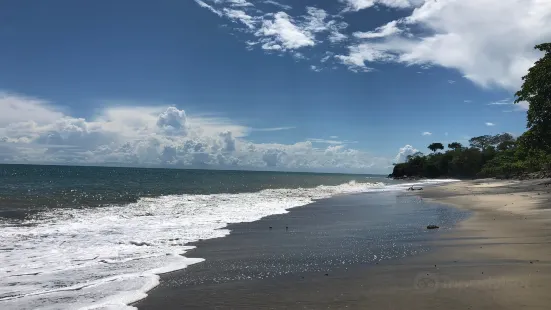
(501,155)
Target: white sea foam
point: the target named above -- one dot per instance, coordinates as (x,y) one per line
(107,258)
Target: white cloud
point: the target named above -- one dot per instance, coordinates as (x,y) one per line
(335,29)
(333,137)
(404,153)
(241,16)
(315,140)
(315,20)
(501,102)
(490,124)
(278,32)
(361,53)
(283,33)
(489,41)
(426,133)
(274,128)
(315,68)
(162,136)
(328,55)
(242,3)
(173,121)
(467,101)
(386,30)
(209,7)
(451,81)
(523,105)
(520,107)
(357,5)
(401,4)
(14,109)
(283,6)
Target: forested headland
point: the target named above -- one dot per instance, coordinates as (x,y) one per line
(502,155)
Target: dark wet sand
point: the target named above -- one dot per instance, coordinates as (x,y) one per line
(499,258)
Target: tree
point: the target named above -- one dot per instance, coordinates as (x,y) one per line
(500,138)
(536,91)
(506,145)
(436,146)
(455,146)
(481,142)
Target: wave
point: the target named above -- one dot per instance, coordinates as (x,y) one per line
(109,257)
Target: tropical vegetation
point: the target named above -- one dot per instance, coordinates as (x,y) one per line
(501,155)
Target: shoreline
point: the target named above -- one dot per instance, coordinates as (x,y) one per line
(499,257)
(327,225)
(424,182)
(495,259)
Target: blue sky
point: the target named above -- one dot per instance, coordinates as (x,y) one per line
(350,85)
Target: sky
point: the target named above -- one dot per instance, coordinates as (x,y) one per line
(301,85)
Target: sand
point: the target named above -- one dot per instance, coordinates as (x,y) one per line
(499,258)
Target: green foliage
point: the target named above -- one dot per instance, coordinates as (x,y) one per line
(481,142)
(436,146)
(455,146)
(500,155)
(488,156)
(536,90)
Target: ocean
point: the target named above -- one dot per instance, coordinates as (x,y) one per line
(98,237)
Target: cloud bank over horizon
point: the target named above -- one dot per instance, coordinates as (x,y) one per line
(34,131)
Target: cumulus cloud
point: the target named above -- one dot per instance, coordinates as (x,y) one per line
(173,121)
(404,153)
(161,136)
(490,124)
(426,133)
(489,41)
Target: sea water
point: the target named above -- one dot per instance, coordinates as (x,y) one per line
(98,237)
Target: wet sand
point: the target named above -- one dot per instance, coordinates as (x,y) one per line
(499,258)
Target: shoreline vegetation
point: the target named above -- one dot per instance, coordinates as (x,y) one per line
(503,155)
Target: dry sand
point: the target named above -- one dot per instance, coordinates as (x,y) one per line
(497,259)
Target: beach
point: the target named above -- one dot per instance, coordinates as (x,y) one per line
(496,257)
(102,237)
